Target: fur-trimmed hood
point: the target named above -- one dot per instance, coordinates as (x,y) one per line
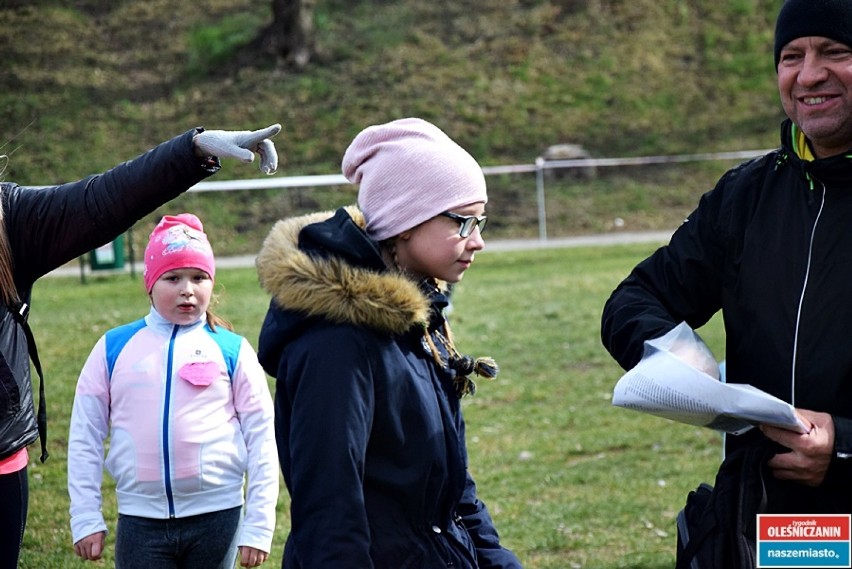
(335,271)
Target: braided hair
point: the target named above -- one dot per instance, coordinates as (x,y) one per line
(463,365)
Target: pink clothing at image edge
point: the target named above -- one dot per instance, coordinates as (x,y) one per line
(14,463)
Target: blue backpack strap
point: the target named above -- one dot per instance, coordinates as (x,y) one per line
(230,343)
(117,338)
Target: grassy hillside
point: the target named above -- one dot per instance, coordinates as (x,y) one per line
(89,83)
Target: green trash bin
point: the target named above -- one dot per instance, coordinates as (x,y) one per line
(109,256)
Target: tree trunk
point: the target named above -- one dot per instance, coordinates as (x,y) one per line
(291,35)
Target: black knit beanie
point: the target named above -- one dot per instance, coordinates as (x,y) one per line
(801,18)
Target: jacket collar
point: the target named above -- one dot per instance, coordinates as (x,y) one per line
(158,322)
(832,171)
(325,265)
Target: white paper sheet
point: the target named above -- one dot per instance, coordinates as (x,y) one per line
(663,384)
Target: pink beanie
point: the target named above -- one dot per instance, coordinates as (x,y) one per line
(177,242)
(409,171)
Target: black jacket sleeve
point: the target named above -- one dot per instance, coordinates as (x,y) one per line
(679,282)
(49,226)
(475,517)
(841,462)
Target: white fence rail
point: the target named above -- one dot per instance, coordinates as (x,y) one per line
(538,168)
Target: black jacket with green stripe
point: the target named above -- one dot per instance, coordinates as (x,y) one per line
(771,247)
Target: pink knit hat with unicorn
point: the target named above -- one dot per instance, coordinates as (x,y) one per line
(177,242)
(409,171)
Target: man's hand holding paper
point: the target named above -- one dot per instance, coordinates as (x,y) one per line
(810,452)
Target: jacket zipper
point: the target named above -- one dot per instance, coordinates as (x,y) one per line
(802,299)
(167,478)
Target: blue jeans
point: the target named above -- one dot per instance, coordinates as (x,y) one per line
(206,541)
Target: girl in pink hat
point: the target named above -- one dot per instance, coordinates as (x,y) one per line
(368,418)
(188,414)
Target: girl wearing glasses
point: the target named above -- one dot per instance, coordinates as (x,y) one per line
(368,419)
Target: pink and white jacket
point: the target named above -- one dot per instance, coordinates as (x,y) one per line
(188,413)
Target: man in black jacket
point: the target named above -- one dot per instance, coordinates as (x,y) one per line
(771,247)
(43,228)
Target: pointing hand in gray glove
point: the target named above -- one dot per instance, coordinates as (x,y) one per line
(240,144)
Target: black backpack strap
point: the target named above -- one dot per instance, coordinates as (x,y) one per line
(21,313)
(725,523)
(707,525)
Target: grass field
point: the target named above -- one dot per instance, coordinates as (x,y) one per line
(571,481)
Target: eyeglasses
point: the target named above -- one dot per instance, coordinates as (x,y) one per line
(467,223)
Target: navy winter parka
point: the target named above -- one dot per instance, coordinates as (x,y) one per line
(369,429)
(49,226)
(771,247)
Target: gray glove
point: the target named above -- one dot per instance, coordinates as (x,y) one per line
(240,144)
